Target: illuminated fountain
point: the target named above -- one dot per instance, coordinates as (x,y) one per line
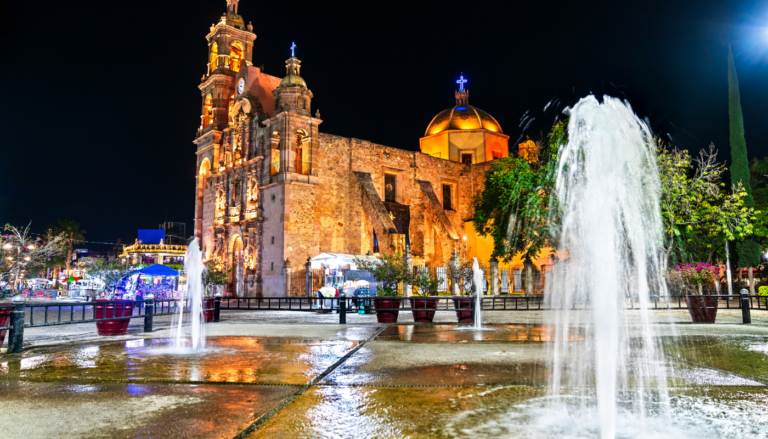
(608,193)
(478,282)
(192,299)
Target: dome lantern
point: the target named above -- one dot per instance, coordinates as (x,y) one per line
(463,131)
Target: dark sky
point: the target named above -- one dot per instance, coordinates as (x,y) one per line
(101,102)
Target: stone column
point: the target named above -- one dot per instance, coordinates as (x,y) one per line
(494,276)
(455,273)
(308,274)
(287,277)
(408,265)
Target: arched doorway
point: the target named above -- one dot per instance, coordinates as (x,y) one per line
(237,262)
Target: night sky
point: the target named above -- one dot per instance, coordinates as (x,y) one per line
(101,102)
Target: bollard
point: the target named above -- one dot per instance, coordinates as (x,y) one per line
(217,308)
(16,335)
(342,309)
(746,317)
(149,312)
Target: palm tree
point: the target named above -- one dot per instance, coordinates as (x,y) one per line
(73,235)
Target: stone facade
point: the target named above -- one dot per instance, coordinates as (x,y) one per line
(272,190)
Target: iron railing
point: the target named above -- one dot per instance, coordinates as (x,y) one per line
(67,313)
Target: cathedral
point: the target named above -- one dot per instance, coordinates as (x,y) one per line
(273,190)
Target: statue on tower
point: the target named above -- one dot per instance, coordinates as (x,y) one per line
(232,6)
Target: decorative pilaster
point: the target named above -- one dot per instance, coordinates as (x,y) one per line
(408,265)
(494,263)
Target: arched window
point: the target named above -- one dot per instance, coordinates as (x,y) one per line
(214,56)
(208,110)
(302,155)
(231,104)
(235,56)
(275,165)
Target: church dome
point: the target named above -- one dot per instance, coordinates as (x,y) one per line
(293,80)
(462,117)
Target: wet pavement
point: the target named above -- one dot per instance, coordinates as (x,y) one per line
(293,379)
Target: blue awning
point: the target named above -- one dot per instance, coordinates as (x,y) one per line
(158,270)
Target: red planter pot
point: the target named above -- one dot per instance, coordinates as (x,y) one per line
(387,308)
(420,314)
(208,305)
(5,320)
(110,309)
(702,309)
(464,316)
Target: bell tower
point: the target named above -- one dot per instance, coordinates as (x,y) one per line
(294,147)
(230,48)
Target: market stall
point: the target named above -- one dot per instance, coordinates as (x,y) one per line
(160,280)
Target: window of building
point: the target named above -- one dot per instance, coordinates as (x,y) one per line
(275,162)
(208,111)
(518,280)
(447,197)
(231,105)
(273,240)
(302,156)
(466,159)
(214,56)
(390,188)
(235,56)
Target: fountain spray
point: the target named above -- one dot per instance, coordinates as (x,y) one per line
(608,193)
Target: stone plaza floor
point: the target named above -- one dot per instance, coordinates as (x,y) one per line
(286,374)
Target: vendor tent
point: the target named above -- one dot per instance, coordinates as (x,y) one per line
(158,270)
(335,260)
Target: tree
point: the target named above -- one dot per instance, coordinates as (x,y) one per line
(19,251)
(748,250)
(215,274)
(111,273)
(697,214)
(426,283)
(388,270)
(516,204)
(73,235)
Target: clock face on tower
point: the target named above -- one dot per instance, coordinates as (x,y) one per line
(241,86)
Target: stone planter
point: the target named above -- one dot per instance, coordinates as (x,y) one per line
(107,309)
(387,309)
(464,316)
(421,309)
(703,309)
(208,306)
(5,320)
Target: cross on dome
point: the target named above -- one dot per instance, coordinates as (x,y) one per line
(293,46)
(461,82)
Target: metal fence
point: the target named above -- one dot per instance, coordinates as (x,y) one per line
(22,314)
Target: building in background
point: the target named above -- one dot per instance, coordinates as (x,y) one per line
(273,191)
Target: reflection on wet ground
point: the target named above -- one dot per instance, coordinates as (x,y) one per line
(439,381)
(464,334)
(118,410)
(743,355)
(502,412)
(225,359)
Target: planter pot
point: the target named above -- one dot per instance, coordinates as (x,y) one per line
(702,309)
(110,309)
(387,309)
(421,310)
(208,305)
(464,316)
(5,320)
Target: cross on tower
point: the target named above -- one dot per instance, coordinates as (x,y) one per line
(293,46)
(461,82)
